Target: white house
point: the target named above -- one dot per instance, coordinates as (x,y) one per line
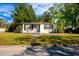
(2,29)
(38,27)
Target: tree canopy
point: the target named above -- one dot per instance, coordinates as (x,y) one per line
(2,22)
(23,14)
(66,15)
(71,14)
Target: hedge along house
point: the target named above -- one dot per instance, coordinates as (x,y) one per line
(38,27)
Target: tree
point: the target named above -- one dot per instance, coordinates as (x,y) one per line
(58,17)
(2,22)
(47,16)
(71,14)
(23,14)
(67,14)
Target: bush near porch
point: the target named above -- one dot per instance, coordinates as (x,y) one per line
(43,39)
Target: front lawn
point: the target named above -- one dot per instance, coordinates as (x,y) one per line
(7,38)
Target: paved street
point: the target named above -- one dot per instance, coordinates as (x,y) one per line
(44,51)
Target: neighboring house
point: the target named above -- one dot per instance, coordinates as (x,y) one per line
(2,29)
(38,27)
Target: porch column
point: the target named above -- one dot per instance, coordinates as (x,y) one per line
(41,28)
(23,28)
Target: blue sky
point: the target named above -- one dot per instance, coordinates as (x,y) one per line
(7,8)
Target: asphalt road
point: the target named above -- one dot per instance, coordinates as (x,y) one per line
(44,51)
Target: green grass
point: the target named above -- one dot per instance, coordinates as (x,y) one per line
(13,38)
(6,35)
(7,38)
(64,38)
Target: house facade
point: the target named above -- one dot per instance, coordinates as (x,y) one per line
(38,27)
(2,29)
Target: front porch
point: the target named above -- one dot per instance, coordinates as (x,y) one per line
(37,28)
(31,28)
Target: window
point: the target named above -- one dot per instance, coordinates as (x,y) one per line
(48,26)
(30,26)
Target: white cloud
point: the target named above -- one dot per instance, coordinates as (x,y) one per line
(9,21)
(1,17)
(7,14)
(7,8)
(41,7)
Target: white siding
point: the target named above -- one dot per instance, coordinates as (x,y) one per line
(2,29)
(35,29)
(41,28)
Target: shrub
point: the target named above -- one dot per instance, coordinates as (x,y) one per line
(53,39)
(50,37)
(24,38)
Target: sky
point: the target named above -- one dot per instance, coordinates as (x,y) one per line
(6,9)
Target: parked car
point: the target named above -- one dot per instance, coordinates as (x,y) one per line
(71,30)
(76,30)
(68,30)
